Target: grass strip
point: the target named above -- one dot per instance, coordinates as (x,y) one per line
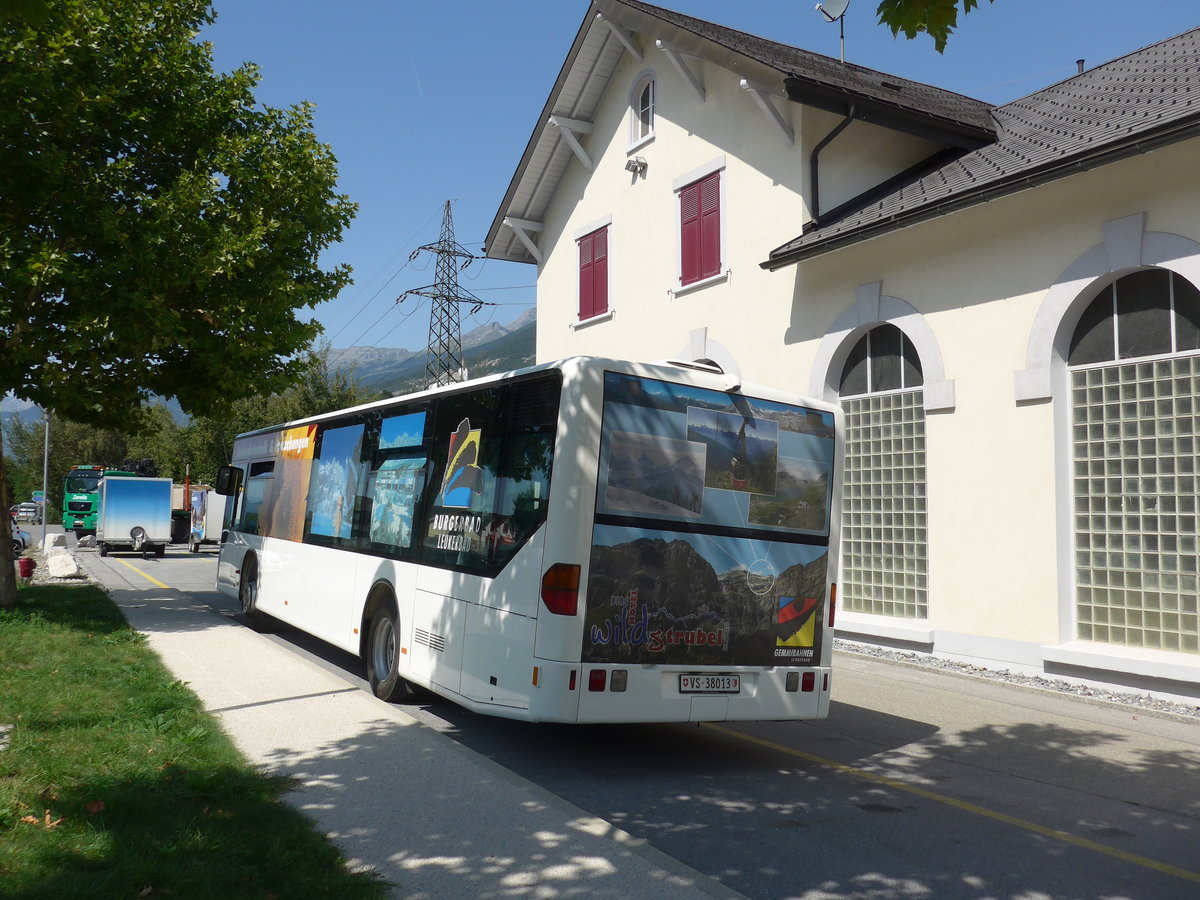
(114,781)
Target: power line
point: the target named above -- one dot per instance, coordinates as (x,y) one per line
(363,308)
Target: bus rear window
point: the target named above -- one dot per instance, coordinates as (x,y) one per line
(674,453)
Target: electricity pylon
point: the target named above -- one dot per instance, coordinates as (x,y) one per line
(443,357)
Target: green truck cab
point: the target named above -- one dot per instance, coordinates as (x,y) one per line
(81,497)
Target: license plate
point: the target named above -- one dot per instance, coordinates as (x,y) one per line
(710,684)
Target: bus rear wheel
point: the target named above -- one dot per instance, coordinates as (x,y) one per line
(383,656)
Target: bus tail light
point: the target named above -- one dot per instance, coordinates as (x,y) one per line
(596,680)
(808,682)
(560,589)
(832,602)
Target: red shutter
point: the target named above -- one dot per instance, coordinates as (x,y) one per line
(689,234)
(600,272)
(593,274)
(586,262)
(710,225)
(700,229)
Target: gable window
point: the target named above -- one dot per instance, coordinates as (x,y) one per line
(641,111)
(593,274)
(700,229)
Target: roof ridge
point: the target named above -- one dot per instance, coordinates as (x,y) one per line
(1094,69)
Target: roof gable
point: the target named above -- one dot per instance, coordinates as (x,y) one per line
(612,28)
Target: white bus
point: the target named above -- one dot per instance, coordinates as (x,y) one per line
(582,541)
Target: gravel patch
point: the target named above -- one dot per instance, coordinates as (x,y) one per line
(1087,690)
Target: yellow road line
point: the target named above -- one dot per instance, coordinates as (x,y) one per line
(149,578)
(1053,833)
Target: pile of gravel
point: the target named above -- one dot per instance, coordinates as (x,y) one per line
(41,574)
(1088,690)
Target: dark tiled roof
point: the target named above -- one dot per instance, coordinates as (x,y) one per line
(1147,99)
(831,77)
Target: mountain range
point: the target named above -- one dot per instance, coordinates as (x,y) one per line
(486,349)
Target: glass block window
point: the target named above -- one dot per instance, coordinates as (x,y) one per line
(1135,433)
(1136,558)
(884,558)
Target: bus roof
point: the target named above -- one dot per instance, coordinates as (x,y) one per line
(661,369)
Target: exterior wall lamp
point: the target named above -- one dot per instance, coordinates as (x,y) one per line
(637,165)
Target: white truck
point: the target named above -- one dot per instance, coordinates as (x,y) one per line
(135,514)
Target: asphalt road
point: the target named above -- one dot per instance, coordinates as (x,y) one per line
(919,784)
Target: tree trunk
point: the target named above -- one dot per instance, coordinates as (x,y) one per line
(8,575)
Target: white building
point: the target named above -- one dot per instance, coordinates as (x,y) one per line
(1004,299)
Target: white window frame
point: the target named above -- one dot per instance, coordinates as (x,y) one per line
(592,228)
(686,180)
(637,140)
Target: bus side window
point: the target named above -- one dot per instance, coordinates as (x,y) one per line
(394,492)
(491,457)
(257,493)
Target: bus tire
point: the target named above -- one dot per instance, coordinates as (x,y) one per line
(248,596)
(383,655)
(102,548)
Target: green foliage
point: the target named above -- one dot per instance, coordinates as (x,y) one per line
(71,444)
(159,230)
(119,784)
(197,448)
(937,18)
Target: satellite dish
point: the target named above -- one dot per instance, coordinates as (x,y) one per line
(833,10)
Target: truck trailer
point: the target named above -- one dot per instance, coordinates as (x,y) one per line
(135,514)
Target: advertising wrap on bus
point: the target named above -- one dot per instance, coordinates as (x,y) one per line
(587,540)
(711,531)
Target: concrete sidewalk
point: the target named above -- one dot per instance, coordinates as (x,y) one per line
(428,815)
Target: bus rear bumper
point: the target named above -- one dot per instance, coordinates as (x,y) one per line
(588,693)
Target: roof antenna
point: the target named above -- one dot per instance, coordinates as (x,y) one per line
(835,11)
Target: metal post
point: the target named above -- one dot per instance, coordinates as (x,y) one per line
(46,474)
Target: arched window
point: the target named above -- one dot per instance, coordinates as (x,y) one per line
(641,111)
(1135,396)
(1148,313)
(883,360)
(884,527)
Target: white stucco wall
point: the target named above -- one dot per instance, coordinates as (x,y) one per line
(1000,560)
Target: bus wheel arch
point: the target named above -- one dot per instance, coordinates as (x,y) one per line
(381,645)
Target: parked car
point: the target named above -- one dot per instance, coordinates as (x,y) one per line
(20,540)
(30,512)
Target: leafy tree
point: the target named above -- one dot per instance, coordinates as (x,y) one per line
(159,231)
(937,18)
(71,444)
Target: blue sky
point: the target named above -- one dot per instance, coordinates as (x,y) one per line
(425,102)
